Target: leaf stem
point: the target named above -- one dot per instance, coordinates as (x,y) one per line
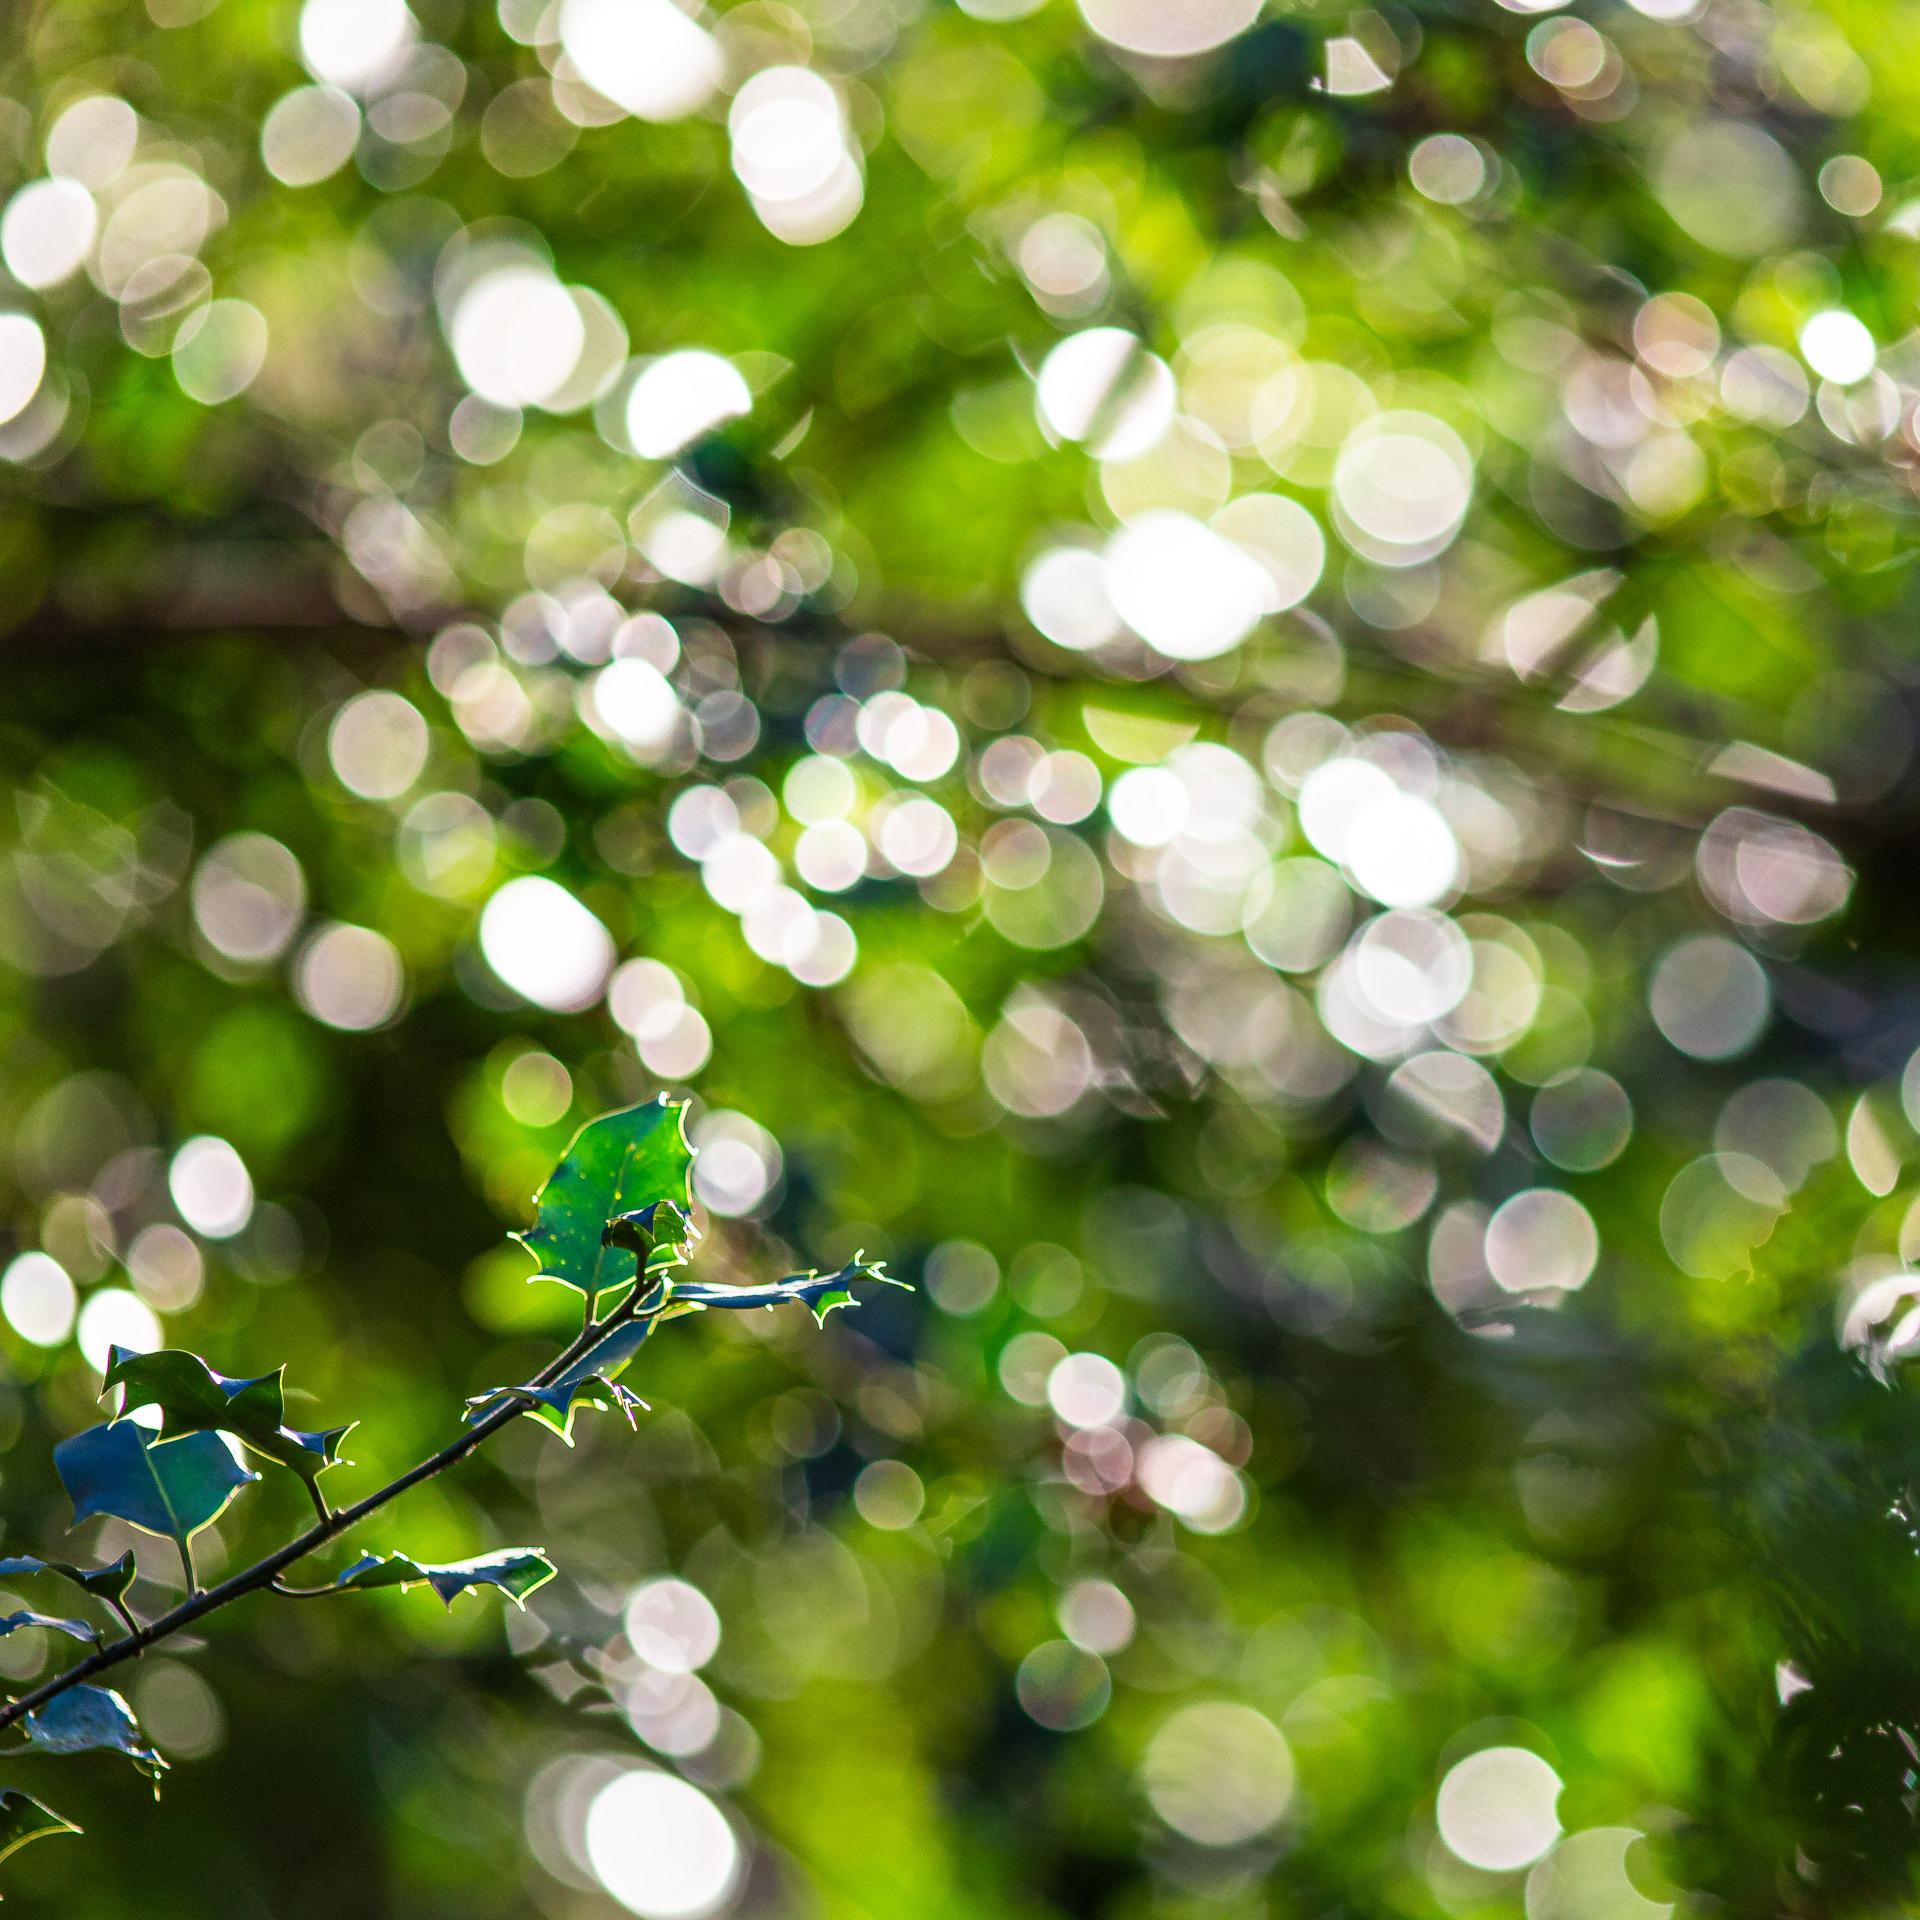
(265,1573)
(186,1565)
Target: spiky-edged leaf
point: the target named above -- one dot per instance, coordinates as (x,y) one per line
(73,1629)
(654,1233)
(617,1165)
(193,1398)
(515,1571)
(23,1818)
(589,1381)
(592,1380)
(89,1719)
(822,1292)
(172,1488)
(108,1583)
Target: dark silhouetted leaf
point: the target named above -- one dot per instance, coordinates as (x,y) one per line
(23,1818)
(192,1398)
(88,1719)
(108,1583)
(515,1571)
(820,1291)
(73,1629)
(172,1488)
(619,1165)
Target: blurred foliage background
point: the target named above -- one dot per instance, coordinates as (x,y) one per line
(1234,679)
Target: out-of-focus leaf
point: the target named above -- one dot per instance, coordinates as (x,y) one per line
(73,1629)
(592,1381)
(822,1292)
(108,1583)
(172,1488)
(618,1165)
(515,1571)
(87,1719)
(23,1818)
(193,1398)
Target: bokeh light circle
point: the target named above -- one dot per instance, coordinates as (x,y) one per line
(661,1847)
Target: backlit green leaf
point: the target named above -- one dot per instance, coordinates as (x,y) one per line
(592,1379)
(620,1164)
(192,1398)
(23,1818)
(172,1488)
(820,1291)
(514,1571)
(589,1381)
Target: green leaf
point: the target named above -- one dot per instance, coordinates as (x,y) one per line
(820,1291)
(616,1166)
(192,1398)
(23,1818)
(172,1488)
(515,1571)
(73,1629)
(108,1583)
(589,1381)
(592,1380)
(91,1719)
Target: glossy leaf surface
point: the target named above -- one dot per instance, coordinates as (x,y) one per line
(513,1571)
(619,1164)
(592,1380)
(87,1719)
(822,1292)
(171,1488)
(193,1398)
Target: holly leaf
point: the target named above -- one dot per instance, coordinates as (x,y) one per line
(108,1583)
(822,1292)
(23,1818)
(619,1165)
(172,1488)
(592,1380)
(90,1719)
(192,1398)
(515,1571)
(73,1629)
(589,1381)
